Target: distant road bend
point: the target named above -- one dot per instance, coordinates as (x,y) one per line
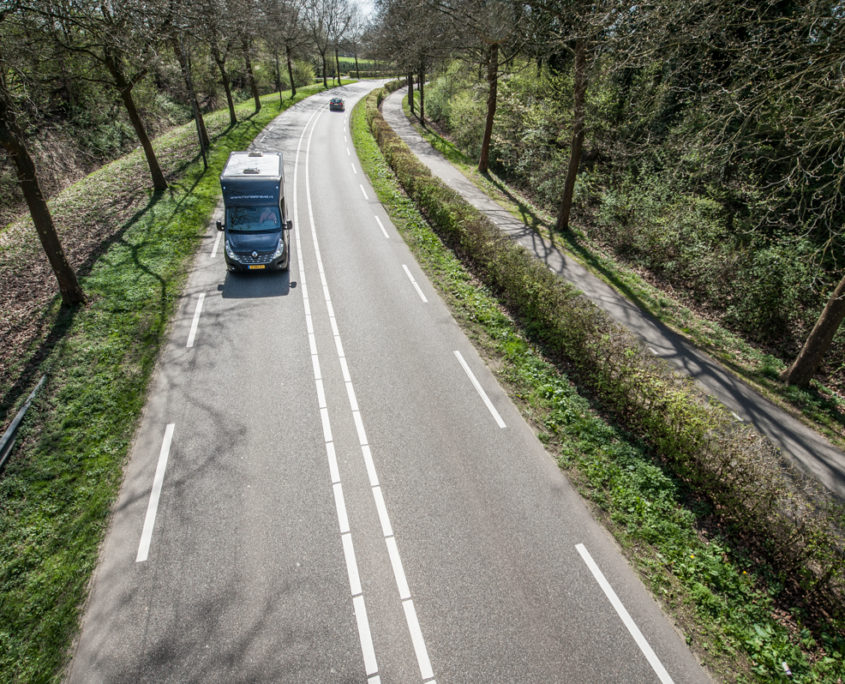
(813,453)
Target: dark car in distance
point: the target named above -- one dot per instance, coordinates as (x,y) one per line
(336,104)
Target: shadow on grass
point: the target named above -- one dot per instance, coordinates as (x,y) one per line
(64,317)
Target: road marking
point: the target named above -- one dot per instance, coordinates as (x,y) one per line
(155,495)
(480,390)
(737,416)
(364,192)
(358,603)
(354,170)
(626,618)
(414,283)
(216,244)
(382,227)
(195,323)
(348,153)
(370,664)
(417,639)
(390,540)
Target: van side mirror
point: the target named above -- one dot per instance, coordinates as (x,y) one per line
(220,226)
(290,225)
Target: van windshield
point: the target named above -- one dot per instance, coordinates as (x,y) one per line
(253,219)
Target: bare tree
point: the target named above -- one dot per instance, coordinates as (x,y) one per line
(179,28)
(354,34)
(121,38)
(317,18)
(494,31)
(414,36)
(292,32)
(244,15)
(12,139)
(213,20)
(339,20)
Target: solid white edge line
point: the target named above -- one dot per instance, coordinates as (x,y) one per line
(414,283)
(195,323)
(155,494)
(480,390)
(417,639)
(626,618)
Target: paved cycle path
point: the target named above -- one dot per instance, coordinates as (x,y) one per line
(808,449)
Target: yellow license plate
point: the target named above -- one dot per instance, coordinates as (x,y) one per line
(256,267)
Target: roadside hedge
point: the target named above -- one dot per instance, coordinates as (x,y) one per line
(762,499)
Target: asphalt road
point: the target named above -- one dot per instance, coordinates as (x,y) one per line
(328,485)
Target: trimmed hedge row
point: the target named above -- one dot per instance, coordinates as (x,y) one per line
(763,500)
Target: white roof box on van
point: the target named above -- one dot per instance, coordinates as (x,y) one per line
(253,165)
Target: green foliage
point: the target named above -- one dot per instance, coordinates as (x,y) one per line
(656,190)
(303,73)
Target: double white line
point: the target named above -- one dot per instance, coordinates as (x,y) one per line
(370,662)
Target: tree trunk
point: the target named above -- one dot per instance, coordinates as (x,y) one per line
(12,140)
(278,76)
(493,84)
(227,86)
(422,95)
(323,59)
(337,65)
(357,70)
(808,360)
(185,65)
(411,91)
(290,71)
(577,137)
(124,87)
(251,76)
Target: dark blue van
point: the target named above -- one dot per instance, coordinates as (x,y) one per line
(256,225)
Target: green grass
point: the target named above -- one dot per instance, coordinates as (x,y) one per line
(817,405)
(59,486)
(723,600)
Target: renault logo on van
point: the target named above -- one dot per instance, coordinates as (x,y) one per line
(255,255)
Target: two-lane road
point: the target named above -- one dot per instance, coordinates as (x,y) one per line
(329,485)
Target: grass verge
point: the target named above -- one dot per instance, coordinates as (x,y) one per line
(817,405)
(726,600)
(58,488)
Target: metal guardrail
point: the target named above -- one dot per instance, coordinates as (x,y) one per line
(7,442)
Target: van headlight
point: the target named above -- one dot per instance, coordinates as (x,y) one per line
(280,249)
(230,252)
